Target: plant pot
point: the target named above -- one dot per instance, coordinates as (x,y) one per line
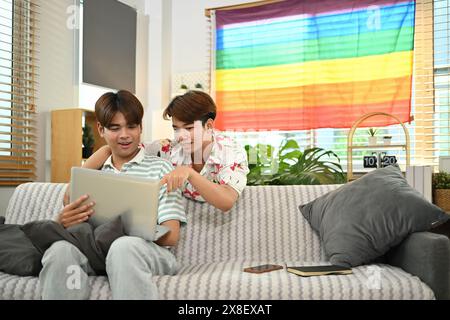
(387,141)
(86,152)
(441,198)
(372,140)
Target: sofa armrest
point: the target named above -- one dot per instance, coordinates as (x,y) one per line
(35,201)
(427,256)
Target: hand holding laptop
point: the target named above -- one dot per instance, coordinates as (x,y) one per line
(76,212)
(66,198)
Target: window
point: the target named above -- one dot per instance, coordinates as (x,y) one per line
(17,91)
(5,74)
(429,131)
(441,78)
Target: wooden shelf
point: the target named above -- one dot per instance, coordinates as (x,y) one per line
(351,147)
(67,140)
(378,146)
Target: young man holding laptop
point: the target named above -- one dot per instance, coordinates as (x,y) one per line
(131,261)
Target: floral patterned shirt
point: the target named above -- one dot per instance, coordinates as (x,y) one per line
(226,164)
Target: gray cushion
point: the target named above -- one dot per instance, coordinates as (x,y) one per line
(93,243)
(18,255)
(362,220)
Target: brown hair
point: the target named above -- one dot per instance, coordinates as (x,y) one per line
(191,106)
(123,101)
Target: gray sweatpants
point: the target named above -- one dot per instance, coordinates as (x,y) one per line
(130,264)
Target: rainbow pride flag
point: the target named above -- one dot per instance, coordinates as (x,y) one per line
(298,65)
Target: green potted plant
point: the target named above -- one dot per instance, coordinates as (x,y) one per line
(183,88)
(441,190)
(372,136)
(289,165)
(88,142)
(198,86)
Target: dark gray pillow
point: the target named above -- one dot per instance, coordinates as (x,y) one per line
(93,243)
(362,220)
(18,255)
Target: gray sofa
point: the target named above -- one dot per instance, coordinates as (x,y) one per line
(264,227)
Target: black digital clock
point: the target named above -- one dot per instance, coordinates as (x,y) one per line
(370,162)
(388,160)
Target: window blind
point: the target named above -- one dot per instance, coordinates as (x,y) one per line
(430,129)
(18,74)
(431,88)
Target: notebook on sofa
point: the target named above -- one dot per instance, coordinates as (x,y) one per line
(308,271)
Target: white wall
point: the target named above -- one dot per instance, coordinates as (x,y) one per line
(5,195)
(159,66)
(57,79)
(189,29)
(179,44)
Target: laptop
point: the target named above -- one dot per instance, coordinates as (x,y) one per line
(135,199)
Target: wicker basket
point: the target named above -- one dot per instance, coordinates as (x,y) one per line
(441,198)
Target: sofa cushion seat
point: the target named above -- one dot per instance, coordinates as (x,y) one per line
(227,281)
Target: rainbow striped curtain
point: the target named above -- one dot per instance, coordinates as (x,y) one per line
(298,64)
